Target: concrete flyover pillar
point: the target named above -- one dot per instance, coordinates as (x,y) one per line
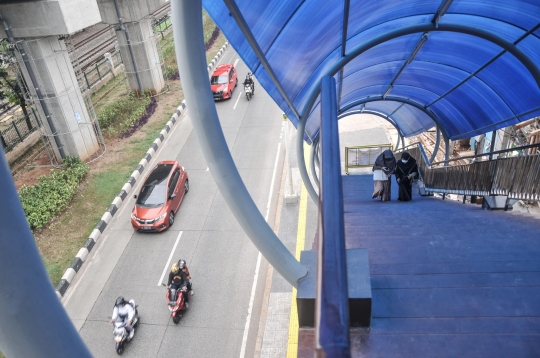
(47,69)
(138,44)
(36,30)
(147,59)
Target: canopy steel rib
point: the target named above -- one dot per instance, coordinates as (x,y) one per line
(281,30)
(241,22)
(409,59)
(346,7)
(441,11)
(487,128)
(395,99)
(473,74)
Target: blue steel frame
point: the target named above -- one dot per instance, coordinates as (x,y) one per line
(407,30)
(188,34)
(33,322)
(332,306)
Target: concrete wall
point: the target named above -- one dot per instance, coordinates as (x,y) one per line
(49,18)
(131,10)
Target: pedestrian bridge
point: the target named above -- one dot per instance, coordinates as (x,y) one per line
(448,279)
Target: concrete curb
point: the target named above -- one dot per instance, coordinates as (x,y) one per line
(82,255)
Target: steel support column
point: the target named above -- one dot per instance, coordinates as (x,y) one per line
(191,57)
(446,151)
(331,305)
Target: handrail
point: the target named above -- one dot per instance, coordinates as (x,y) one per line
(490,153)
(332,312)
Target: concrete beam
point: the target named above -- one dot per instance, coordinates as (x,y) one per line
(49,18)
(131,10)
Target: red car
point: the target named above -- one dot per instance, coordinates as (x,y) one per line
(160,197)
(223,81)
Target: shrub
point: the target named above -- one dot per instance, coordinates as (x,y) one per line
(41,202)
(119,116)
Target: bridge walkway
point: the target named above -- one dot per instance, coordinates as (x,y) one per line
(448,280)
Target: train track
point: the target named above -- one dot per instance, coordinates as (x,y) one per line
(92,37)
(94,54)
(89,58)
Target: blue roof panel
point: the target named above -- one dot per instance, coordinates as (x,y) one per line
(482,86)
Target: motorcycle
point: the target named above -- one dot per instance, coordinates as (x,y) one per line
(176,303)
(249,91)
(121,335)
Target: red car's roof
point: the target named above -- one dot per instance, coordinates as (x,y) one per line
(221,69)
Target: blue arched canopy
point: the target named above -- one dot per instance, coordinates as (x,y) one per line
(473,64)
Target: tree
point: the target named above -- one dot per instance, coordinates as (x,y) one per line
(10,88)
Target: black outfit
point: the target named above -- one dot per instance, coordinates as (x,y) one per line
(250,82)
(177,281)
(403,170)
(387,163)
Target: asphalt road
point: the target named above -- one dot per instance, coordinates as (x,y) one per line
(221,258)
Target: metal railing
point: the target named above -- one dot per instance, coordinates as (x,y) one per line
(162,25)
(516,177)
(17,130)
(363,156)
(100,69)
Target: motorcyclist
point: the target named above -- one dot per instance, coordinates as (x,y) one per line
(178,280)
(123,311)
(185,269)
(249,81)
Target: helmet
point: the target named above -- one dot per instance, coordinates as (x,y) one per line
(181,263)
(175,268)
(120,301)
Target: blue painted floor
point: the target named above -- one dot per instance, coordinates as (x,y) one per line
(448,279)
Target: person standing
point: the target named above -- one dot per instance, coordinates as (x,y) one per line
(384,166)
(406,171)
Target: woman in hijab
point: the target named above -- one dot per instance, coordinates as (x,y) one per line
(384,166)
(405,172)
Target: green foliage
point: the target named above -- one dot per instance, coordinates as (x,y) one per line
(41,202)
(118,116)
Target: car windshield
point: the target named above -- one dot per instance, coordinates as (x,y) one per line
(154,191)
(219,80)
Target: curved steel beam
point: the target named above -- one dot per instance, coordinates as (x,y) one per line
(314,151)
(395,99)
(378,114)
(188,30)
(407,30)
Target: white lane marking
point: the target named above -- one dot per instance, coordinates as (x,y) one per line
(236,62)
(170,258)
(257,267)
(239,95)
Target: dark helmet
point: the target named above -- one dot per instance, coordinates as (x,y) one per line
(120,301)
(405,156)
(181,263)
